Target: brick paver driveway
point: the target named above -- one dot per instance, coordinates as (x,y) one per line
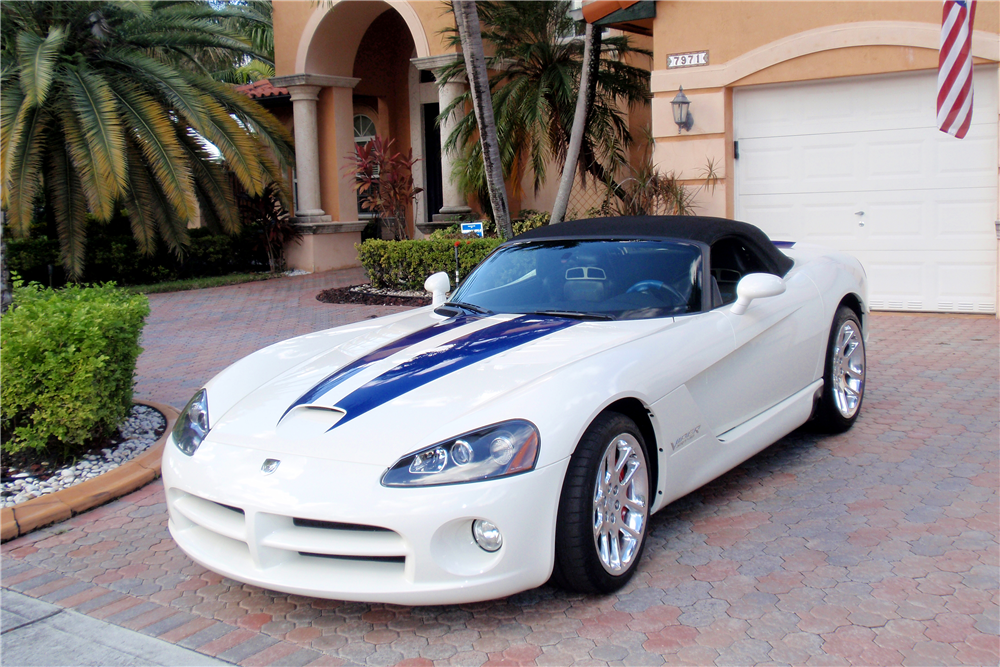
(878,546)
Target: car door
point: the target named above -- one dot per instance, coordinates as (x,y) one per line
(775,343)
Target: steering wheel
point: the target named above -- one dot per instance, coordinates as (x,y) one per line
(659,289)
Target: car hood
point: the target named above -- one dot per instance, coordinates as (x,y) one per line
(392,390)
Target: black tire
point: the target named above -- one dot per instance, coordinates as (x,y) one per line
(578,563)
(844,374)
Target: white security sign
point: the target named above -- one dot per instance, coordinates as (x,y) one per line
(687,59)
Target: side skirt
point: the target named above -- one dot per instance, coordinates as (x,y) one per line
(718,455)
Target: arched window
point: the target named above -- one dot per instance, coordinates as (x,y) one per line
(364,129)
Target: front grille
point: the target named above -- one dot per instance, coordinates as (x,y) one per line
(336,525)
(365,559)
(264,540)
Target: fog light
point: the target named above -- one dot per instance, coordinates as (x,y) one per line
(487,535)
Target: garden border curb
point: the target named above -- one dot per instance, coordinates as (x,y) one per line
(30,515)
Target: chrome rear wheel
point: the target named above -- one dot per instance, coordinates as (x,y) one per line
(848,369)
(844,375)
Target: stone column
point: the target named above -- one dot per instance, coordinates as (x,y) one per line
(309,208)
(325,244)
(454,203)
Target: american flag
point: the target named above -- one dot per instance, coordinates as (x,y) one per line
(954,97)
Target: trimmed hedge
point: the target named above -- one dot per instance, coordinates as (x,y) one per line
(407,264)
(68,360)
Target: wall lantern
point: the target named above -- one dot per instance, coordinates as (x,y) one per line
(682,113)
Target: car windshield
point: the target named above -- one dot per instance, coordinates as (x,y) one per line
(588,279)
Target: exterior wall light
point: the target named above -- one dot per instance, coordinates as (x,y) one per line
(682,112)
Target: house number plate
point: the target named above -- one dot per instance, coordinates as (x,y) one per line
(687,59)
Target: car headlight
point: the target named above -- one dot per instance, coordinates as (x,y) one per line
(503,449)
(192,425)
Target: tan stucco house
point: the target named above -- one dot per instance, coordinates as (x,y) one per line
(819,115)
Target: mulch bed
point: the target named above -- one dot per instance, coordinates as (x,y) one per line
(365,298)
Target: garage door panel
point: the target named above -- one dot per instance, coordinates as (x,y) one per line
(867,161)
(826,164)
(900,158)
(813,156)
(964,284)
(931,281)
(973,157)
(892,102)
(949,220)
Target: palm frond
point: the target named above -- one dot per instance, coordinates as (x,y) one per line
(173,89)
(10,130)
(26,168)
(93,105)
(211,183)
(144,216)
(236,146)
(154,134)
(266,129)
(37,60)
(68,206)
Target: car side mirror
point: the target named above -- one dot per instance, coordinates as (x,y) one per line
(756,286)
(438,285)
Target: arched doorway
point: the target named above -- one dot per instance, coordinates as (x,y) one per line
(367,45)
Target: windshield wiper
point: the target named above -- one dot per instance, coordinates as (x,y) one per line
(472,308)
(574,314)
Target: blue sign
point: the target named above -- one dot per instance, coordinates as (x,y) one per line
(473,228)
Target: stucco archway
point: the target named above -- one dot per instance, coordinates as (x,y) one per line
(333,33)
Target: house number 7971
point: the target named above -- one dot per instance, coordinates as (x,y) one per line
(687,59)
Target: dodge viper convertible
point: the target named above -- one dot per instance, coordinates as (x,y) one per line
(523,428)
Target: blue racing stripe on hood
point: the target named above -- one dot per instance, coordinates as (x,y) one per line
(448,358)
(359,364)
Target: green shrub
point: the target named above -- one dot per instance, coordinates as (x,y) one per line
(114,257)
(407,264)
(30,258)
(527,219)
(68,360)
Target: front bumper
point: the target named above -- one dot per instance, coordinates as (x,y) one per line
(330,529)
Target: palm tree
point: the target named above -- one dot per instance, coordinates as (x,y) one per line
(256,26)
(109,105)
(537,68)
(467,20)
(584,105)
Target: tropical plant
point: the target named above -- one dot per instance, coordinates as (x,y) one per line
(644,190)
(107,105)
(536,64)
(256,26)
(271,219)
(384,179)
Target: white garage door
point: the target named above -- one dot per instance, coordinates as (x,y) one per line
(858,164)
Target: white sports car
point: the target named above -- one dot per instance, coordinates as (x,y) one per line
(584,376)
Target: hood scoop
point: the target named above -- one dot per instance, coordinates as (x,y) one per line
(309,421)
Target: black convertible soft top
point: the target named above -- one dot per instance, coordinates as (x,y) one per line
(679,227)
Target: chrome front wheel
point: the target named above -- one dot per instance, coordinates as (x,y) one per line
(620,503)
(604,508)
